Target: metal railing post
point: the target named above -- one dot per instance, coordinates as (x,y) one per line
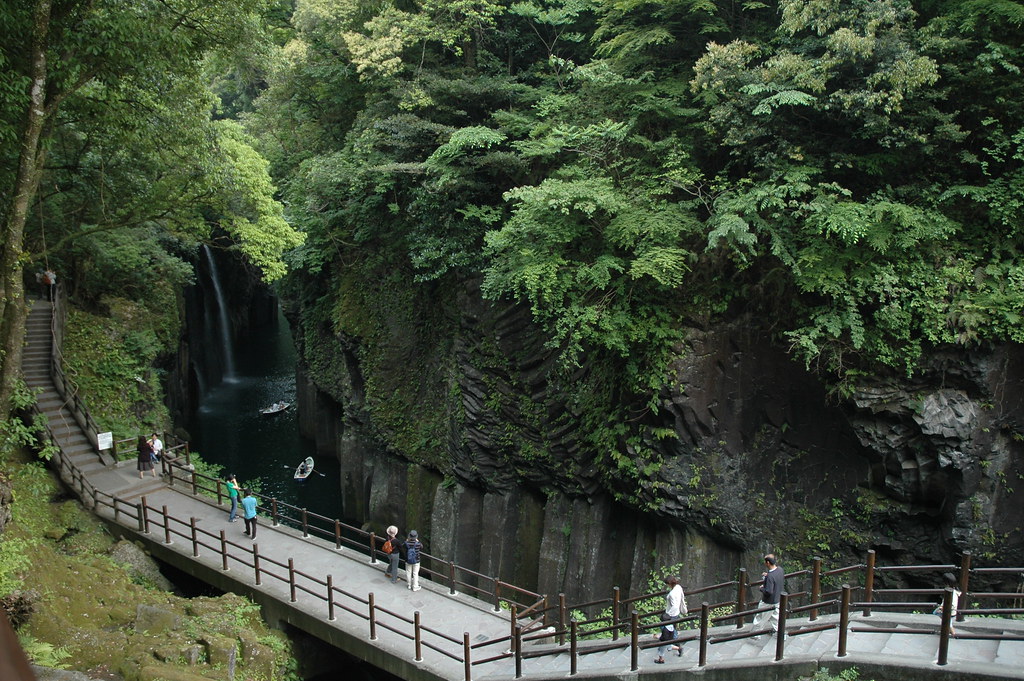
(305,523)
(195,537)
(195,483)
(572,647)
(497,595)
(418,635)
(741,596)
(224,550)
(964,581)
(780,636)
(373,617)
(815,586)
(275,517)
(256,562)
(616,619)
(291,578)
(143,517)
(467,663)
(869,583)
(330,598)
(844,620)
(451,578)
(337,534)
(513,619)
(705,619)
(517,639)
(373,549)
(634,641)
(561,619)
(167,526)
(946,628)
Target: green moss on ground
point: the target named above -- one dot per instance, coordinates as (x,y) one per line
(106,620)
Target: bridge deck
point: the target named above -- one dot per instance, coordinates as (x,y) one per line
(444,615)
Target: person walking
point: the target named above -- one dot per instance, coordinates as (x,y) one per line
(771,593)
(249,513)
(392,549)
(232,485)
(145,460)
(675,607)
(413,554)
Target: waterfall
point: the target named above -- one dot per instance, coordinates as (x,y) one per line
(224,326)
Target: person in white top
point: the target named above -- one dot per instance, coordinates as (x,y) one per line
(675,607)
(157,445)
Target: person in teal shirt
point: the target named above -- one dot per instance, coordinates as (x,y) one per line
(232,484)
(249,513)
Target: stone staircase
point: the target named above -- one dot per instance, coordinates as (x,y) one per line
(35,365)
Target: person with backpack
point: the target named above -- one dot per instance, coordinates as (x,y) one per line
(413,554)
(391,548)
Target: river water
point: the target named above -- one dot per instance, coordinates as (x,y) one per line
(227,428)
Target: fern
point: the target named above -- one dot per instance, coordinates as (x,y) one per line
(42,653)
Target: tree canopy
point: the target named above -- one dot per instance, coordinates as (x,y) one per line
(846,173)
(106,123)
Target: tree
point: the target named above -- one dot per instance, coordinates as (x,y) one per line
(111,90)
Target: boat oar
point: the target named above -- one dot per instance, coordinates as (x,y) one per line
(314,471)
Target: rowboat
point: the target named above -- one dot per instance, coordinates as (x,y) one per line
(275,408)
(304,469)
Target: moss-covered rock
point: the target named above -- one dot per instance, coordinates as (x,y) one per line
(117,621)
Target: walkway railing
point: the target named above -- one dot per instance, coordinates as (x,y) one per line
(456,577)
(627,621)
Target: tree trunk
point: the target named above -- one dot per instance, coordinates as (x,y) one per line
(30,165)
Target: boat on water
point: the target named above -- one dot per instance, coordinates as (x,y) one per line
(275,408)
(304,469)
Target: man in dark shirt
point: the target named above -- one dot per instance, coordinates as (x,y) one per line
(771,593)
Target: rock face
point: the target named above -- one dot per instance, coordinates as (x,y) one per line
(447,417)
(747,453)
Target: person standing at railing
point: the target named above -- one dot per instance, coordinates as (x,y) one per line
(771,593)
(413,554)
(675,607)
(145,461)
(249,513)
(950,582)
(393,550)
(232,484)
(157,445)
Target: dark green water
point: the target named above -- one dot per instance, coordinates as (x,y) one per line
(228,429)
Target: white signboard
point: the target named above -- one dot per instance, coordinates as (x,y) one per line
(104,441)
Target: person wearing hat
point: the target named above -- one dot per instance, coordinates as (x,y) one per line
(413,553)
(392,549)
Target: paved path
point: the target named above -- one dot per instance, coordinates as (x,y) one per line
(352,572)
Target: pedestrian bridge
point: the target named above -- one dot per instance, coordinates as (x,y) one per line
(326,578)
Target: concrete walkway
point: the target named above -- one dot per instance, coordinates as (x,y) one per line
(355,578)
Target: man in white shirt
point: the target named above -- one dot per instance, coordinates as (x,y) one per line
(158,446)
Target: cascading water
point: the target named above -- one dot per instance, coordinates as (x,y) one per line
(225,329)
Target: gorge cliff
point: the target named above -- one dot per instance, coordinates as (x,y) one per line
(448,415)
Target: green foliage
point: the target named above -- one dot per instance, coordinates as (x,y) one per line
(844,176)
(111,359)
(824,674)
(17,432)
(14,560)
(42,653)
